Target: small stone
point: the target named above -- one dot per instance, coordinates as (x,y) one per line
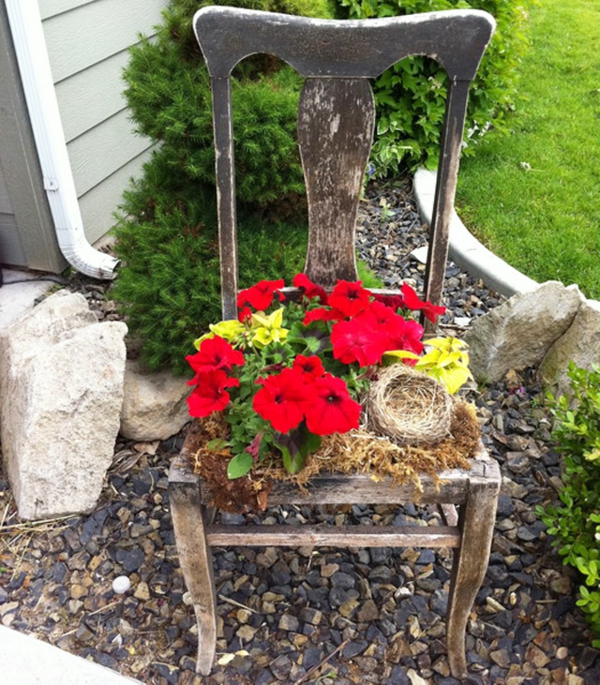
(354,648)
(289,623)
(536,656)
(493,604)
(329,569)
(142,592)
(243,615)
(501,658)
(131,560)
(121,584)
(246,632)
(78,591)
(562,585)
(74,606)
(84,634)
(347,608)
(573,679)
(368,612)
(312,616)
(342,580)
(281,666)
(312,656)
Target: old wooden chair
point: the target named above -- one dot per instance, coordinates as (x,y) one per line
(335,130)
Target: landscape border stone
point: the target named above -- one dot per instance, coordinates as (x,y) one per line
(466,250)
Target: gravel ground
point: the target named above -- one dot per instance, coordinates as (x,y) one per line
(310,616)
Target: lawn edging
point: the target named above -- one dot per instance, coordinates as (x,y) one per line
(465,250)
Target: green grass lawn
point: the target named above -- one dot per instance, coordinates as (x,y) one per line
(534,197)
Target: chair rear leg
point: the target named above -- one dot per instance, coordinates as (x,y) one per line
(195,559)
(476,521)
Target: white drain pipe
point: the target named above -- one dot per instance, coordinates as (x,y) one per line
(36,76)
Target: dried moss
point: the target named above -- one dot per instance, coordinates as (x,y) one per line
(358,451)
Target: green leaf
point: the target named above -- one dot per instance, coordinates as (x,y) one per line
(217,444)
(295,447)
(240,465)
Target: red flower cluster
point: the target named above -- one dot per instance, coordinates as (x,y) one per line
(215,358)
(261,295)
(412,301)
(306,392)
(296,391)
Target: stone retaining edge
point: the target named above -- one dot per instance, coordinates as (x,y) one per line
(465,250)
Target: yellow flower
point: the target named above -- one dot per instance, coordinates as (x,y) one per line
(228,330)
(268,328)
(447,362)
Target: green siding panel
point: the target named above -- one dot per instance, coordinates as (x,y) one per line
(95,31)
(99,204)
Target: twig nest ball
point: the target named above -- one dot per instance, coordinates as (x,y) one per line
(408,407)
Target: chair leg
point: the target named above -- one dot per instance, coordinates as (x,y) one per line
(195,559)
(476,521)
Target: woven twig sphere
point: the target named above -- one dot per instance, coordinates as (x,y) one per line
(408,407)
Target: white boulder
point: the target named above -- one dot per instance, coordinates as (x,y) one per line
(154,404)
(61,384)
(580,344)
(520,332)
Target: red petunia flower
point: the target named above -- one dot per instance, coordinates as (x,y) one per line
(379,314)
(261,295)
(214,353)
(322,314)
(412,301)
(332,410)
(394,302)
(210,395)
(359,341)
(310,367)
(282,399)
(405,335)
(309,289)
(349,297)
(244,314)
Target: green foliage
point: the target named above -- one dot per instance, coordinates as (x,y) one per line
(522,195)
(575,521)
(168,93)
(410,96)
(167,238)
(169,283)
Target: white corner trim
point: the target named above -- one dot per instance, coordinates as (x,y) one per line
(36,76)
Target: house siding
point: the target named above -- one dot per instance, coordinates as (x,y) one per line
(11,250)
(27,235)
(88,45)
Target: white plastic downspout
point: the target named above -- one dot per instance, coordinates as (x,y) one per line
(32,56)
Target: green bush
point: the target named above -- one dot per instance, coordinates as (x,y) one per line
(170,279)
(575,521)
(168,94)
(166,236)
(410,96)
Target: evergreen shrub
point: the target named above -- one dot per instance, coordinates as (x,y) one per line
(410,96)
(168,94)
(168,284)
(170,280)
(574,522)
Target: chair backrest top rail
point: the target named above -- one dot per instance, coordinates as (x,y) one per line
(347,48)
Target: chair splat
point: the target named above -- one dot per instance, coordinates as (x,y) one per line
(336,120)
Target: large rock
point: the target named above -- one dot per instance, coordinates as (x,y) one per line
(520,332)
(154,405)
(61,384)
(580,344)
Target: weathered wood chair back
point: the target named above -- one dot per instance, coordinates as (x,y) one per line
(336,118)
(335,130)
